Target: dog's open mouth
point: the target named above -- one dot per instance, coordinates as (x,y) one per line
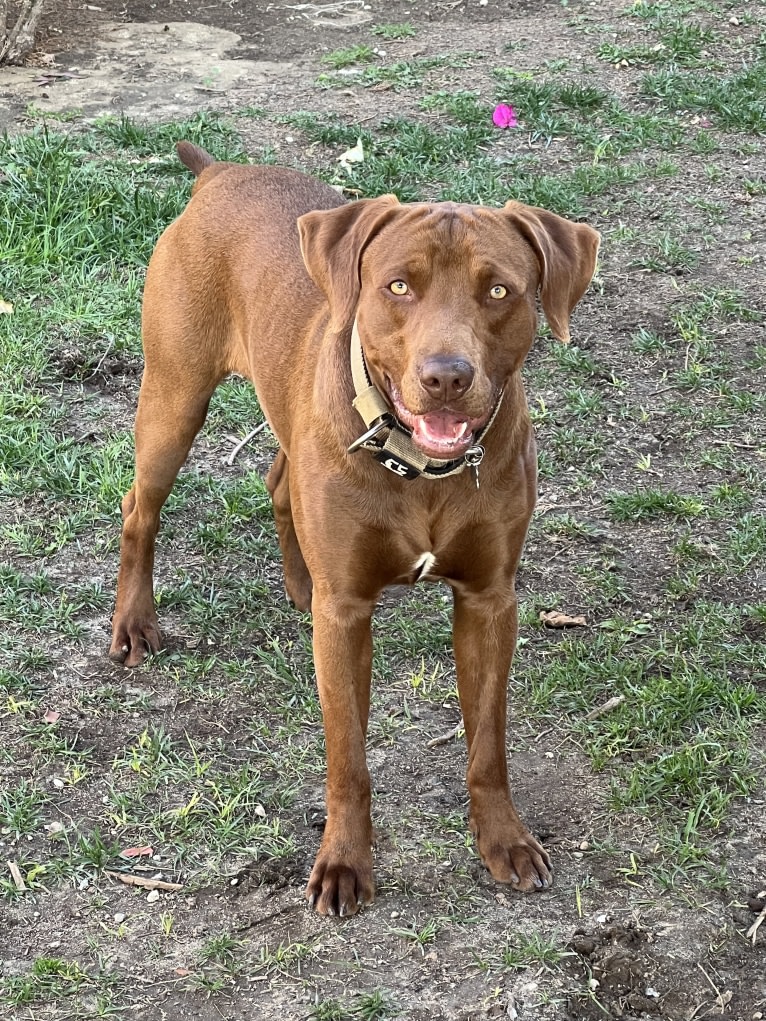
(439,434)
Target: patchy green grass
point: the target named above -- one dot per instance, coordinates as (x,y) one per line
(651,525)
(401,75)
(348,57)
(395,30)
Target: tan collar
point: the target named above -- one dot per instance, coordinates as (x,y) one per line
(390,442)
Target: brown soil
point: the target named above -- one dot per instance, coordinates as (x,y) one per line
(649,957)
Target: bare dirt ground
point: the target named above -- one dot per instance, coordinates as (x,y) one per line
(649,954)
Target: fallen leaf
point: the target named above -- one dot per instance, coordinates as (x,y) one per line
(554,619)
(606,707)
(6,308)
(137,852)
(354,155)
(51,716)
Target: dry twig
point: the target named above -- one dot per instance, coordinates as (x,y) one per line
(231,458)
(149,884)
(721,999)
(17,876)
(753,930)
(445,738)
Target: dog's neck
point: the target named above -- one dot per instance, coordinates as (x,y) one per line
(389,441)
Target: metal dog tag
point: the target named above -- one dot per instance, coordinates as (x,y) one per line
(473,458)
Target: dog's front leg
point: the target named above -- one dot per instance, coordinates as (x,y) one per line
(485,628)
(341,880)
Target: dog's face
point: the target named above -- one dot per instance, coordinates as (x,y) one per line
(444,296)
(446,315)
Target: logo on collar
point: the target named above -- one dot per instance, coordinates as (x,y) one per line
(395,465)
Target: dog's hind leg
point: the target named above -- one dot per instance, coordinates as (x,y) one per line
(184,362)
(169,417)
(297,578)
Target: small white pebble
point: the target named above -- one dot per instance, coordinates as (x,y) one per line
(585,846)
(119,917)
(152,896)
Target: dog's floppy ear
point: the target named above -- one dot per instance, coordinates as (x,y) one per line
(567,254)
(332,243)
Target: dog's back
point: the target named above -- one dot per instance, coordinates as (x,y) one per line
(238,241)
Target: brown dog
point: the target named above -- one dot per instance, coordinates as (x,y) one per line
(422,315)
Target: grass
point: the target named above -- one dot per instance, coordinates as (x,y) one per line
(363,1007)
(395,30)
(651,524)
(402,75)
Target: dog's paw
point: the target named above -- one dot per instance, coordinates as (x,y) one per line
(132,642)
(515,857)
(340,887)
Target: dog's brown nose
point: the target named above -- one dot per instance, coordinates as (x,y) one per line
(446,377)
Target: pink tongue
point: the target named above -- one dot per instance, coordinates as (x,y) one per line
(440,426)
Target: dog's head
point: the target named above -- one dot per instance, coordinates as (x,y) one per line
(445,300)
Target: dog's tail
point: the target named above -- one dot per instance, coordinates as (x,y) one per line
(193,157)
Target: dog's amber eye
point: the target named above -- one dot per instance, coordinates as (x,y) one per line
(398,287)
(497,292)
